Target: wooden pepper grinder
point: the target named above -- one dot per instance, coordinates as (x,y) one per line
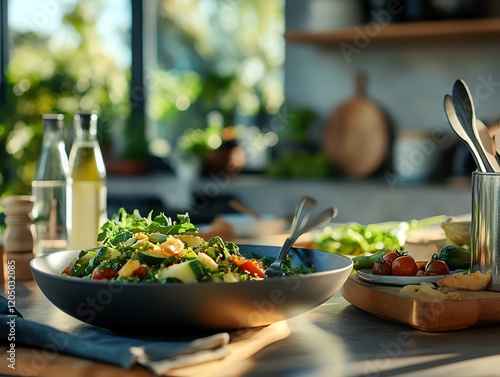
(18,239)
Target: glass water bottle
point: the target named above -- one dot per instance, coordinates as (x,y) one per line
(51,189)
(88,174)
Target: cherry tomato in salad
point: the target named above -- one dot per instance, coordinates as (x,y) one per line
(404,265)
(390,256)
(106,273)
(140,272)
(436,267)
(382,267)
(253,268)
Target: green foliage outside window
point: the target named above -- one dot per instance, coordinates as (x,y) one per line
(42,79)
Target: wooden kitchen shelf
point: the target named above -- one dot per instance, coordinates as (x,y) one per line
(486,27)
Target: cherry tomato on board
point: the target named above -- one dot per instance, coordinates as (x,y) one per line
(404,266)
(436,267)
(390,256)
(382,267)
(106,273)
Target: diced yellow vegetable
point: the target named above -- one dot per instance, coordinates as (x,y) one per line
(128,268)
(141,237)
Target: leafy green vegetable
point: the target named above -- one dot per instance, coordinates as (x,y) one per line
(356,239)
(288,269)
(123,225)
(222,247)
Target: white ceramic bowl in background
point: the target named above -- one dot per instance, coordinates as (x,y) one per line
(246,226)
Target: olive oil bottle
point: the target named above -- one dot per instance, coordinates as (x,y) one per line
(88,174)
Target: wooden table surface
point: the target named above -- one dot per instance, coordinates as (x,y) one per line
(335,339)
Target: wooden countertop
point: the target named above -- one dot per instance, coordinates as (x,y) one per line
(334,339)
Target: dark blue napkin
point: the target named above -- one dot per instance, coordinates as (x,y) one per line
(97,344)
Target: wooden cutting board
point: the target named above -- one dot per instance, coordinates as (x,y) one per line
(356,135)
(478,308)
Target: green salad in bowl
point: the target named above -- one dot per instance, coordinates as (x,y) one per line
(157,249)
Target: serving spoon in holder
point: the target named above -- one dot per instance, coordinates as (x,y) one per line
(464,110)
(460,131)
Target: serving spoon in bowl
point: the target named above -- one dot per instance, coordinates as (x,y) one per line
(299,226)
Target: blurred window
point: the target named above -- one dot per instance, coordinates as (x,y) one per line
(63,56)
(205,63)
(212,63)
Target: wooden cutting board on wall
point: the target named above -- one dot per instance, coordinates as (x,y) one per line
(479,308)
(356,135)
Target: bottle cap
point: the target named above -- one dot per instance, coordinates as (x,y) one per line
(53,121)
(86,120)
